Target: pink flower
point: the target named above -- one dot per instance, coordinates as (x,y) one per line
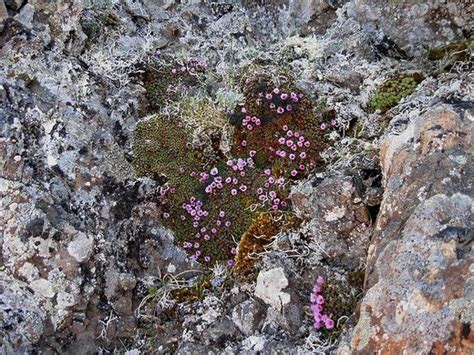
(244,143)
(283,96)
(302,166)
(252,153)
(233,251)
(303,155)
(233,192)
(291,156)
(268,96)
(293,95)
(333,123)
(166,215)
(320,299)
(272,194)
(207,237)
(272,105)
(307,144)
(228,180)
(293,173)
(249,127)
(196,245)
(258,122)
(214,171)
(285,128)
(222,214)
(317,325)
(281,140)
(289,133)
(276,91)
(207,259)
(213,231)
(243,188)
(227,224)
(230,262)
(323,126)
(289,142)
(289,108)
(230,162)
(267,172)
(259,191)
(329,324)
(313,298)
(243,110)
(320,280)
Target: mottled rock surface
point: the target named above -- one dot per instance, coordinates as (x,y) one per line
(419,274)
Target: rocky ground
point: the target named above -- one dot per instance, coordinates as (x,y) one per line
(385,216)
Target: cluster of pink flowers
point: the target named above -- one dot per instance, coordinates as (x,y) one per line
(317,305)
(292,145)
(280,101)
(250,122)
(268,191)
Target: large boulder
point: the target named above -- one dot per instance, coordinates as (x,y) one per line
(419,273)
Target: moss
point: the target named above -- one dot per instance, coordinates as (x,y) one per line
(180,151)
(193,293)
(157,80)
(259,234)
(457,51)
(392,91)
(109,20)
(341,300)
(264,138)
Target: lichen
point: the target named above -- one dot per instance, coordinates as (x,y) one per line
(392,91)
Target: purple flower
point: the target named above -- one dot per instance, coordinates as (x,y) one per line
(320,299)
(329,324)
(280,110)
(320,280)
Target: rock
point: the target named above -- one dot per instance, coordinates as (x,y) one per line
(21,317)
(81,247)
(269,288)
(419,290)
(3,14)
(413,26)
(247,316)
(338,222)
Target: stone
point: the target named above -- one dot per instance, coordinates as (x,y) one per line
(81,247)
(269,288)
(418,278)
(339,225)
(247,316)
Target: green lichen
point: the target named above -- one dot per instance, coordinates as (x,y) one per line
(392,91)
